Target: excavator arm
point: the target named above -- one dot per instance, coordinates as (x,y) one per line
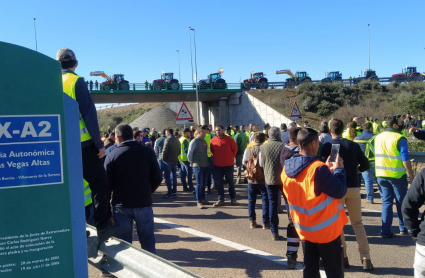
(101,73)
(288,72)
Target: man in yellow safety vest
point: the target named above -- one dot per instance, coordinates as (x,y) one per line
(391,163)
(92,147)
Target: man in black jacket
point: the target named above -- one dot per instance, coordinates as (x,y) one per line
(415,198)
(134,175)
(354,161)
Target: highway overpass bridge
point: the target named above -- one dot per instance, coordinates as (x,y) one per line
(214,103)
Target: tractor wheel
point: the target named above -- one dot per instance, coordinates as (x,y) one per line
(263,84)
(247,86)
(174,86)
(338,79)
(124,86)
(219,84)
(307,79)
(106,87)
(156,87)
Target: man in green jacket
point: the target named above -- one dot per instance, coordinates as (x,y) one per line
(241,141)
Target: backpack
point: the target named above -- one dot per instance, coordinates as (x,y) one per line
(253,170)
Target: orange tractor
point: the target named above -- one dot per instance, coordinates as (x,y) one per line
(257,80)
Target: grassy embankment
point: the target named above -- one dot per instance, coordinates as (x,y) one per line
(320,102)
(124,114)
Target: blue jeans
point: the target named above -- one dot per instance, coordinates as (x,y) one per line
(161,168)
(143,217)
(273,194)
(227,172)
(170,173)
(186,171)
(390,188)
(210,173)
(368,177)
(200,174)
(253,190)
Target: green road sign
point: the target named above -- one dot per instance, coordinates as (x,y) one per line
(42,216)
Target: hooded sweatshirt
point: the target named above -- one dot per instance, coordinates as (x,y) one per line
(332,184)
(287,152)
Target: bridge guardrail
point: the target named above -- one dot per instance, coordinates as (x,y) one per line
(128,261)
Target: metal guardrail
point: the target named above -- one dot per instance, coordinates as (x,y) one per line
(128,261)
(417,157)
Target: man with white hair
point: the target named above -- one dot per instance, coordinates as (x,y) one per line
(270,161)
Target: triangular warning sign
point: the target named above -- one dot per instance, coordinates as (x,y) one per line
(184,113)
(295,113)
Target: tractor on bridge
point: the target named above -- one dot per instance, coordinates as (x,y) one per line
(406,75)
(116,82)
(167,82)
(213,81)
(257,80)
(368,75)
(295,79)
(333,76)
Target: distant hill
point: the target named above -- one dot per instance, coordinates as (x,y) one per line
(123,114)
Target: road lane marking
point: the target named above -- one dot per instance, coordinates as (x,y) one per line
(231,244)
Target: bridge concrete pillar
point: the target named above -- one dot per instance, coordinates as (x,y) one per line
(204,113)
(223,115)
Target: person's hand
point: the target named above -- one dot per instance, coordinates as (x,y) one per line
(413,129)
(339,163)
(411,179)
(101,153)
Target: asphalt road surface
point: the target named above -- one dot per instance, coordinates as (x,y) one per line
(218,242)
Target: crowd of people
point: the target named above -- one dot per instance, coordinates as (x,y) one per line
(317,173)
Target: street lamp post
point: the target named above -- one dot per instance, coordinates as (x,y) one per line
(35,35)
(178,57)
(196,74)
(368,35)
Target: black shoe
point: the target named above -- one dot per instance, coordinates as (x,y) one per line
(166,196)
(186,190)
(387,236)
(174,195)
(110,231)
(191,188)
(213,188)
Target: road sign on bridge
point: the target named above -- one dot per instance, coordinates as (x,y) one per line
(184,116)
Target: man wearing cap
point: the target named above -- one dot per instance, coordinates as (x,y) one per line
(92,147)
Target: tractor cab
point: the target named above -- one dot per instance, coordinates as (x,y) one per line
(118,78)
(369,73)
(214,76)
(257,75)
(301,74)
(410,70)
(167,76)
(334,74)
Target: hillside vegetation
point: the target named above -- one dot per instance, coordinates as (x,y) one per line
(321,101)
(124,114)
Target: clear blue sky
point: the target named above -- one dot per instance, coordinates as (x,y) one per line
(140,38)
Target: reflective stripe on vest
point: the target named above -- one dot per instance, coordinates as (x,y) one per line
(183,155)
(388,162)
(208,140)
(318,219)
(68,81)
(87,194)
